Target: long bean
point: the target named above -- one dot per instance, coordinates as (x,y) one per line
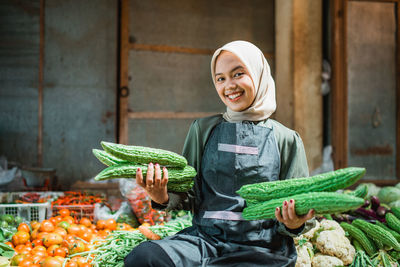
(112,251)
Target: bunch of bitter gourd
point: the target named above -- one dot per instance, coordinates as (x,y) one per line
(317,192)
(124,160)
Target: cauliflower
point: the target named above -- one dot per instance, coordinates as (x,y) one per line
(308,235)
(335,243)
(303,255)
(332,225)
(320,260)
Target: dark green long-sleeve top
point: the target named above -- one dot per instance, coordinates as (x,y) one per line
(290,147)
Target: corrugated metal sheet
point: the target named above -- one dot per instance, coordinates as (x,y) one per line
(176,82)
(80,85)
(372,88)
(19,65)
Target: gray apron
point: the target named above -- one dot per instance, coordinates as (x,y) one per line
(235,154)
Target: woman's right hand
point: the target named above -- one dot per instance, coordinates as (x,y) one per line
(155,183)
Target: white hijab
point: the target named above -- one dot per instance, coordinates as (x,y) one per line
(264,102)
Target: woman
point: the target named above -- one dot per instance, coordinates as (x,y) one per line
(240,147)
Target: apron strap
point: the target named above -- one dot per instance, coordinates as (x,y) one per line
(224,215)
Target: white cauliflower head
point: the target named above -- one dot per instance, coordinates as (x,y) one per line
(332,225)
(307,235)
(320,260)
(304,254)
(335,243)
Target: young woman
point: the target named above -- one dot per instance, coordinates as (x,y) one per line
(241,146)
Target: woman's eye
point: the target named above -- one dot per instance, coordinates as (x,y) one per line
(238,74)
(220,79)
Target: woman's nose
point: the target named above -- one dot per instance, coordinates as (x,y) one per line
(230,84)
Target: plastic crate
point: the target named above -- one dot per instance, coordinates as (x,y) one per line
(29,212)
(51,195)
(77,211)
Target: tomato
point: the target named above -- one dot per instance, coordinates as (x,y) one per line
(35,225)
(59,258)
(63,224)
(18,248)
(41,235)
(60,252)
(82,228)
(79,260)
(64,212)
(20,237)
(85,221)
(52,249)
(52,239)
(46,226)
(27,262)
(68,241)
(58,218)
(41,254)
(53,220)
(74,229)
(51,262)
(38,248)
(26,250)
(37,242)
(37,258)
(61,231)
(111,224)
(77,247)
(15,261)
(66,250)
(101,224)
(69,219)
(24,227)
(71,264)
(87,236)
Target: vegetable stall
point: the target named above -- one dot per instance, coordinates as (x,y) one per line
(354,225)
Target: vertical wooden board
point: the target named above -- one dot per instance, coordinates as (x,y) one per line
(172,82)
(371,57)
(80,85)
(19,63)
(202,24)
(155,133)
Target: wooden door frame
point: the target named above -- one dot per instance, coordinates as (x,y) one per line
(339,85)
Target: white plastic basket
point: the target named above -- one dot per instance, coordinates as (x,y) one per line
(29,212)
(51,195)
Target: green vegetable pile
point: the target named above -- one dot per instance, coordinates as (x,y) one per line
(112,251)
(8,226)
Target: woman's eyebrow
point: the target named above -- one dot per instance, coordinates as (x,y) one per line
(235,68)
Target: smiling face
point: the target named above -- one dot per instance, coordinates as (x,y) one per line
(233,82)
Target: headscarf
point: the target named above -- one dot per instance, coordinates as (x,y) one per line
(264,103)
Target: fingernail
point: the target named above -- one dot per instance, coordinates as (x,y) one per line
(277,208)
(291,201)
(138,170)
(157,165)
(285,203)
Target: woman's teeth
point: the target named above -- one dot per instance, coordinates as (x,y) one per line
(233,96)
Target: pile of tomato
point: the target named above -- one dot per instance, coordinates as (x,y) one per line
(52,242)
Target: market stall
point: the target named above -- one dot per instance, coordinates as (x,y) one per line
(355,225)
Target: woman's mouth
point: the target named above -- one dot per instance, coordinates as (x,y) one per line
(234,96)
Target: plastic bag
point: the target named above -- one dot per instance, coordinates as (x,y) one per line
(141,203)
(122,215)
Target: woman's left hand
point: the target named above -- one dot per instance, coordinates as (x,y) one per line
(289,217)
